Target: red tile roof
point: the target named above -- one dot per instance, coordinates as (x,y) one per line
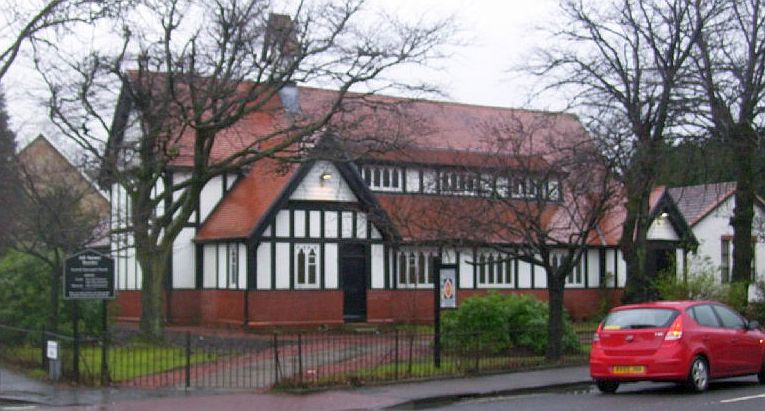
(430,132)
(237,215)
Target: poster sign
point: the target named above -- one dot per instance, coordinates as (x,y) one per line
(89,275)
(52,350)
(448,287)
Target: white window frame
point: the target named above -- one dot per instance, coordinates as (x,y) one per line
(307,264)
(416,263)
(233,272)
(390,178)
(492,269)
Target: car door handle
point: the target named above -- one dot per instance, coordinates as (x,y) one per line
(733,341)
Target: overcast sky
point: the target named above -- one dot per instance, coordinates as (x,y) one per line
(497,35)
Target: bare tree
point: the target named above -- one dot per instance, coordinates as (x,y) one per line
(730,63)
(537,192)
(190,72)
(626,64)
(36,25)
(61,212)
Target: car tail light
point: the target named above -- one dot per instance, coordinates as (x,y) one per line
(675,330)
(596,336)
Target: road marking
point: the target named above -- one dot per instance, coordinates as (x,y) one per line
(18,407)
(751,397)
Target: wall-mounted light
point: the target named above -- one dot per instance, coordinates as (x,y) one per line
(664,214)
(325,176)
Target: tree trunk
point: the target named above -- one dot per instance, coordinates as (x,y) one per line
(634,248)
(55,290)
(154,267)
(555,321)
(743,213)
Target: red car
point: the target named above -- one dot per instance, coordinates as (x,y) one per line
(689,342)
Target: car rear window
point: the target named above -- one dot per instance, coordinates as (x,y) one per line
(636,318)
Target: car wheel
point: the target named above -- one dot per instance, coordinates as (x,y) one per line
(607,387)
(761,374)
(698,376)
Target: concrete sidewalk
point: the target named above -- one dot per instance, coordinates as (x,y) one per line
(402,395)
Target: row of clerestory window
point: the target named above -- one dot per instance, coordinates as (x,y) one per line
(459,183)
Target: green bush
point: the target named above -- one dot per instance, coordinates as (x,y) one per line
(701,284)
(495,323)
(756,309)
(25,297)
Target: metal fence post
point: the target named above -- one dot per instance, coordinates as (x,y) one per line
(188,360)
(395,363)
(300,358)
(276,359)
(43,348)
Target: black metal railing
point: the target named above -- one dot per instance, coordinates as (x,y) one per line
(264,361)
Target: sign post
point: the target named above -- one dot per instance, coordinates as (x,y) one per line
(444,296)
(88,275)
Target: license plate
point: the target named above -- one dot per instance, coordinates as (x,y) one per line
(628,369)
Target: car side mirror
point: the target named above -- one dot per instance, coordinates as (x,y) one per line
(753,325)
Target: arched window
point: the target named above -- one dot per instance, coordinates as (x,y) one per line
(500,266)
(386,177)
(412,269)
(482,269)
(402,269)
(306,265)
(301,267)
(421,268)
(491,269)
(312,267)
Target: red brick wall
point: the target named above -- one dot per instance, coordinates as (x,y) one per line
(405,306)
(128,305)
(295,308)
(325,307)
(221,307)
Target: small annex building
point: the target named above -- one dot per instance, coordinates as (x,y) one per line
(341,238)
(708,209)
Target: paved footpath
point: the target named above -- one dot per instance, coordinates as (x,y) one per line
(42,396)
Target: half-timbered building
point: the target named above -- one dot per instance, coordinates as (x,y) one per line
(335,239)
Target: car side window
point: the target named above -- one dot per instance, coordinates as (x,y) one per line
(704,315)
(729,318)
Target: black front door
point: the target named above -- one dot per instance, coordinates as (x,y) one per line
(353,280)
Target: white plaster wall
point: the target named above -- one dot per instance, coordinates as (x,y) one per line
(378,267)
(282,265)
(184,261)
(283,223)
(263,263)
(242,266)
(210,266)
(330,224)
(222,266)
(524,274)
(347,224)
(300,229)
(315,223)
(211,194)
(540,277)
(466,269)
(330,265)
(314,188)
(593,268)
